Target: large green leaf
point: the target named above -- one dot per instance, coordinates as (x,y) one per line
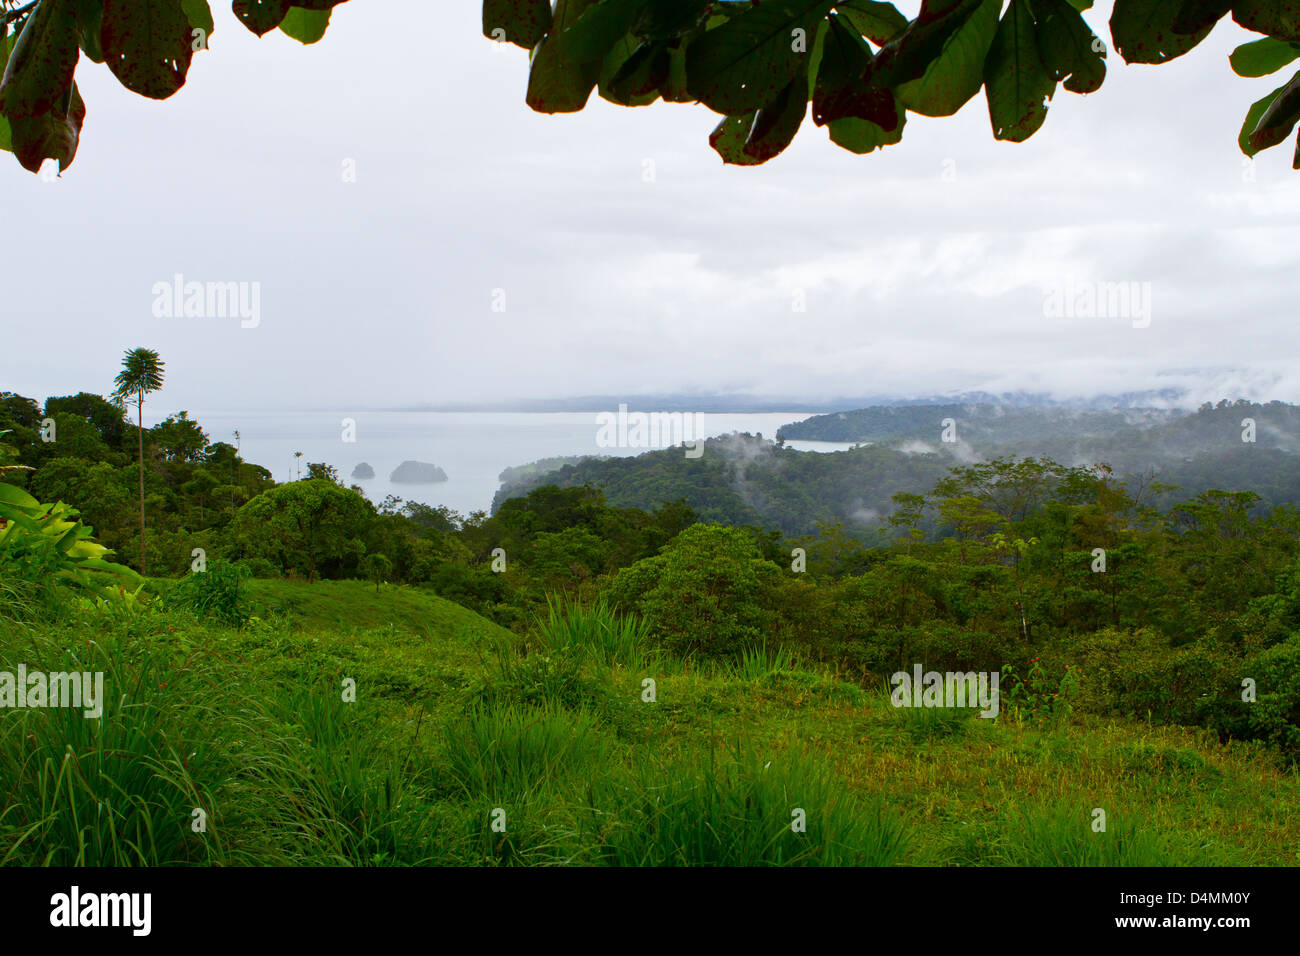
(754,138)
(841,90)
(863,136)
(600,28)
(1262,57)
(199,14)
(1277,115)
(305,26)
(1145,31)
(1197,15)
(557,81)
(729,137)
(1017,84)
(263,16)
(147,45)
(745,63)
(90,14)
(907,56)
(957,73)
(260,16)
(1068,48)
(633,72)
(776,125)
(41,63)
(13,498)
(52,135)
(1277,18)
(879,22)
(521,22)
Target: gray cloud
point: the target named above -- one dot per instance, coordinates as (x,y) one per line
(379,292)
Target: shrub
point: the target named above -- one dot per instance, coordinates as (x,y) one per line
(708,593)
(1275,715)
(217,594)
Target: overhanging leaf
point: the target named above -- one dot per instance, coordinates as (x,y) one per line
(41,62)
(521,22)
(863,136)
(260,16)
(1277,18)
(776,125)
(89,14)
(745,63)
(557,82)
(1262,57)
(1197,15)
(147,45)
(1068,48)
(879,22)
(1144,30)
(907,56)
(957,73)
(729,137)
(1279,115)
(841,90)
(52,135)
(1017,84)
(305,26)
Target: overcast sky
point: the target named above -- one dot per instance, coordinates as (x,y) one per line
(379,292)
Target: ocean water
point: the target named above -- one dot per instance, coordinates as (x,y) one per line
(471,447)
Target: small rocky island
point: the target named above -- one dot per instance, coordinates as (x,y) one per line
(363,471)
(417,473)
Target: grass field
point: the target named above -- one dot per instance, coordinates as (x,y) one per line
(467,744)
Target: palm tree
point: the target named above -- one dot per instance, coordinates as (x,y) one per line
(142,373)
(298,455)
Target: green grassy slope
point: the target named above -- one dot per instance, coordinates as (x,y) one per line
(458,723)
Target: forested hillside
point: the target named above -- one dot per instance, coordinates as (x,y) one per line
(1092,601)
(741,479)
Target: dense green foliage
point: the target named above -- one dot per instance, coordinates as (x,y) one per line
(605,625)
(862,65)
(741,479)
(147,44)
(459,726)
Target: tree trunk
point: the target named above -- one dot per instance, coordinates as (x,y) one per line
(139,417)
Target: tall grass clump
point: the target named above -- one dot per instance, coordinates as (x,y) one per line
(346,799)
(757,661)
(1059,835)
(118,789)
(503,750)
(743,810)
(595,632)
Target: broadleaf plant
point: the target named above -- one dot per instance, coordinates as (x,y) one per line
(864,65)
(148,45)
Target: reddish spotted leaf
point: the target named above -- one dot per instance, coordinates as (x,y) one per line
(147,45)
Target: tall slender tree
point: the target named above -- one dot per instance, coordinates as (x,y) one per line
(142,373)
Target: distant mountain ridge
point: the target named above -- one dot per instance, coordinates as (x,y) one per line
(722,402)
